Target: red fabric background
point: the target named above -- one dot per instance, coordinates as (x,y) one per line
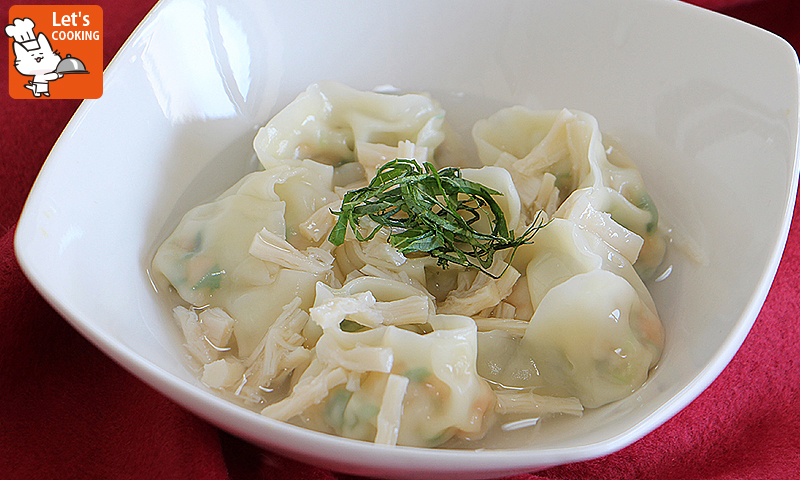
(67,411)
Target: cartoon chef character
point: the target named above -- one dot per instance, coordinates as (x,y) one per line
(34,56)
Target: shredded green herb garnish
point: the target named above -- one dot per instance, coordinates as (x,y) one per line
(431,212)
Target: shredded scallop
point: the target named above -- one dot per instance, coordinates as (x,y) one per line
(357,359)
(483,292)
(196,342)
(217,326)
(523,402)
(391,411)
(503,310)
(222,373)
(280,350)
(271,248)
(365,310)
(320,223)
(510,325)
(308,391)
(401,276)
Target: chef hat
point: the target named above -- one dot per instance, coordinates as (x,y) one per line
(22,31)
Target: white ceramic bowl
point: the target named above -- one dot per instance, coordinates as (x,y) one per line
(708,107)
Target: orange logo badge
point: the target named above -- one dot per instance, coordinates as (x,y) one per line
(55,51)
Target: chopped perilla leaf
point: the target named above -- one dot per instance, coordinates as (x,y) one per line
(432,212)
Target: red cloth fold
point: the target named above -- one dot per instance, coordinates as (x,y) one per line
(67,411)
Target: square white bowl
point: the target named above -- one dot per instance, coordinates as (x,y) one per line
(706,105)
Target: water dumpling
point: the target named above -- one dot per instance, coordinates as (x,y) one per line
(382,352)
(327,121)
(555,155)
(594,333)
(207,258)
(593,336)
